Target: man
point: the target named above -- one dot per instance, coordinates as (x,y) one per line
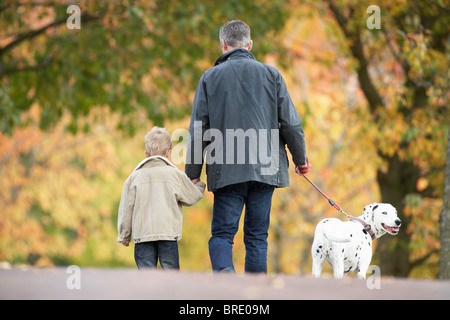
(242,118)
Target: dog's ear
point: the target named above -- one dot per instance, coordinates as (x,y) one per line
(367,210)
(371,207)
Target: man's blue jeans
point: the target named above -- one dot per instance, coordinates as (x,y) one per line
(228,204)
(146,254)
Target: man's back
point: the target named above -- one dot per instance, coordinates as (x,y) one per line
(248,104)
(242,93)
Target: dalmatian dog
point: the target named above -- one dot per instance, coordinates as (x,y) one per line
(347,246)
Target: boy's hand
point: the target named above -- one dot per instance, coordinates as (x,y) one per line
(126,243)
(195,180)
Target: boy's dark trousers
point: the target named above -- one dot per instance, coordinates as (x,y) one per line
(146,254)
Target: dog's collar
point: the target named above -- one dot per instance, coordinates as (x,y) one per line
(367,227)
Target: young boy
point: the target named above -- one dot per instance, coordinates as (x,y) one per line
(151,204)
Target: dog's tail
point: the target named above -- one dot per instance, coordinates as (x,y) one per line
(333,231)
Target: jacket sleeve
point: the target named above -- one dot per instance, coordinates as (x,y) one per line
(126,208)
(291,129)
(198,125)
(188,193)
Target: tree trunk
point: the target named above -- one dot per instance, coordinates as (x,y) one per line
(395,184)
(402,175)
(444,261)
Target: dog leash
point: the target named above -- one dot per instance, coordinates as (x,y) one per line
(330,201)
(367,228)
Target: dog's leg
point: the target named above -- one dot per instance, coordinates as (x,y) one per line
(338,268)
(317,266)
(317,251)
(363,266)
(318,258)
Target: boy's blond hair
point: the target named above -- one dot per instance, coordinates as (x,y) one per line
(157,142)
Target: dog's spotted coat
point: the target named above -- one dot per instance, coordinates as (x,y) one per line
(347,246)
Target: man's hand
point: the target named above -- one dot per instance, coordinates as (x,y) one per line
(195,180)
(304,169)
(126,243)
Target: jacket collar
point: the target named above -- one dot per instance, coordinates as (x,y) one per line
(233,54)
(141,164)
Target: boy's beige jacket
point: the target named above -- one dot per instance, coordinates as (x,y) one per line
(152,198)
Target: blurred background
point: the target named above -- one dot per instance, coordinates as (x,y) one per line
(76,103)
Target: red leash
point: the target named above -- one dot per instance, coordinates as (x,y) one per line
(330,201)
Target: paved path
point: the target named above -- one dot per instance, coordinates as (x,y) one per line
(54,283)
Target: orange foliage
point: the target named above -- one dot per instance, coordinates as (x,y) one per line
(59,192)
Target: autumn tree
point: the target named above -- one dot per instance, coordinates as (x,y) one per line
(143,59)
(408,104)
(444,263)
(140,59)
(141,55)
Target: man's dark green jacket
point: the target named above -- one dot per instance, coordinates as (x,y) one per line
(242,119)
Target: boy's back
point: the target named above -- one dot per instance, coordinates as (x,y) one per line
(150,209)
(152,200)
